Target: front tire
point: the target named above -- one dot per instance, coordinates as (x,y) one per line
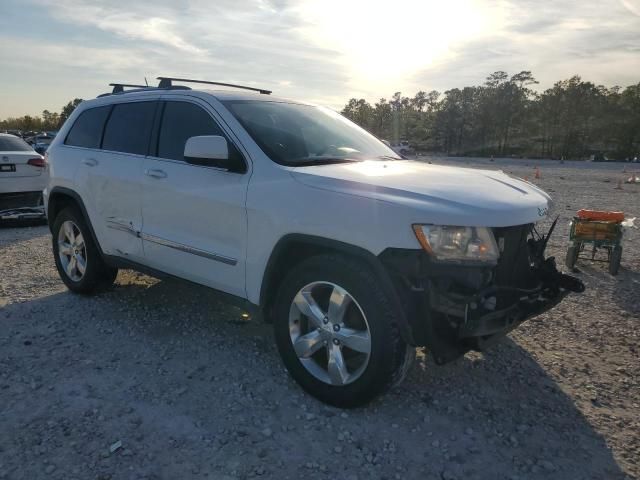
(336,329)
(78,259)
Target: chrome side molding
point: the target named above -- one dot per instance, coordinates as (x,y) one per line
(128,228)
(123,227)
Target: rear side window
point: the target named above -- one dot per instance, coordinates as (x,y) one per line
(129,128)
(13,144)
(182,120)
(87,129)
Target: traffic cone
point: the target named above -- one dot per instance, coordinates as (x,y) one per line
(537,173)
(619,186)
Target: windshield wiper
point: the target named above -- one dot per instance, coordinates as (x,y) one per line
(306,162)
(389,157)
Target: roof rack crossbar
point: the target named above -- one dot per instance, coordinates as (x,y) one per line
(166,82)
(119,87)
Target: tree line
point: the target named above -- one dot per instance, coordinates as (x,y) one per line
(49,121)
(574,119)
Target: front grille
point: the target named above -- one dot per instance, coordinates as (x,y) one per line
(513,269)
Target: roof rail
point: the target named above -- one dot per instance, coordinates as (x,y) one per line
(166,82)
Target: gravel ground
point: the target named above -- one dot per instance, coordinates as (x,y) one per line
(159,379)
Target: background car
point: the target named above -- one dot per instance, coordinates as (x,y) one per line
(16,133)
(23,173)
(402,148)
(41,142)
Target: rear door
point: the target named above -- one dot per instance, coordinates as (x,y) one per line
(111,175)
(195,222)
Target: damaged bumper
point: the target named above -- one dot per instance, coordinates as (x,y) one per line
(452,309)
(21,206)
(478,315)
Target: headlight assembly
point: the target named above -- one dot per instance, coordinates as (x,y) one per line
(458,244)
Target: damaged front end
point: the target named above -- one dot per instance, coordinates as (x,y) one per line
(452,308)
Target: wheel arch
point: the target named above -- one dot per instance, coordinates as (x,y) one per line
(293,248)
(61,198)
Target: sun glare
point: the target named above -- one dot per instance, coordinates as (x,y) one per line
(381,42)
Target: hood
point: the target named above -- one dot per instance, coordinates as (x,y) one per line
(443,195)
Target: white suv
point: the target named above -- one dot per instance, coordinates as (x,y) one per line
(355,255)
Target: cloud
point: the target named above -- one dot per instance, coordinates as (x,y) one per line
(325,51)
(632,5)
(555,40)
(127,23)
(27,54)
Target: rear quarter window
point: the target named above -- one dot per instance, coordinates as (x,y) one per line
(129,128)
(87,130)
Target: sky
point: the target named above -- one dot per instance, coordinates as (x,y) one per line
(323,51)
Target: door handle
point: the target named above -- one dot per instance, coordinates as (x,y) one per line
(155,173)
(90,162)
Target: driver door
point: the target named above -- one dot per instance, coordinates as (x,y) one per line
(194,217)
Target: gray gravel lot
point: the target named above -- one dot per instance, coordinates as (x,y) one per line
(191,390)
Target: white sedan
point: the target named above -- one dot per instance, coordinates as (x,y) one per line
(23,174)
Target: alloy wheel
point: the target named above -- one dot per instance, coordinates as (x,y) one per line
(329,333)
(72,251)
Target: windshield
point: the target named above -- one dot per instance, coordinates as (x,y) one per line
(13,144)
(298,135)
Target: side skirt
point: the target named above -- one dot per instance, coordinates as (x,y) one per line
(242,303)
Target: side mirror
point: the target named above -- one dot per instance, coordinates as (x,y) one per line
(206,150)
(214,151)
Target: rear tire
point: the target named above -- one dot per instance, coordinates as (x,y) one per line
(370,368)
(78,259)
(614,259)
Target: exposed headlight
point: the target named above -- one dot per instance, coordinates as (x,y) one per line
(458,244)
